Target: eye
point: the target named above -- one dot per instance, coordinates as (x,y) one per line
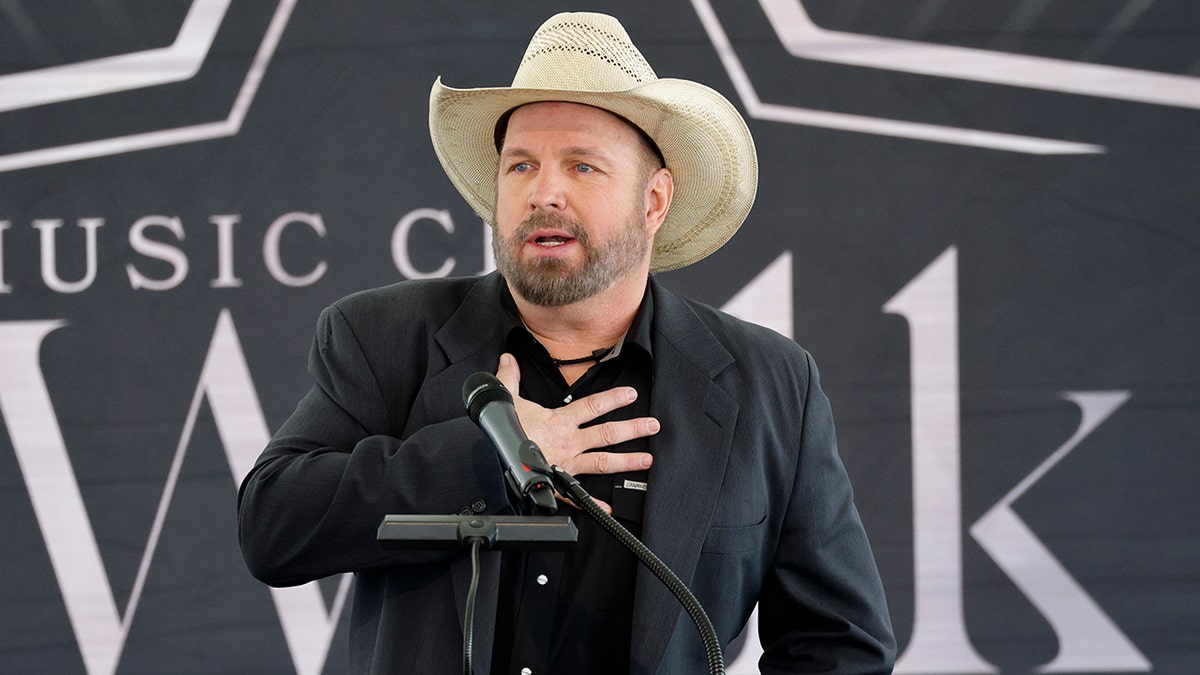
(585,168)
(521,167)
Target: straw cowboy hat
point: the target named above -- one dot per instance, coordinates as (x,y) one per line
(588,58)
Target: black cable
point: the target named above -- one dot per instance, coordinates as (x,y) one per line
(567,484)
(469,615)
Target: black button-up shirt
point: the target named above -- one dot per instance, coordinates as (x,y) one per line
(571,612)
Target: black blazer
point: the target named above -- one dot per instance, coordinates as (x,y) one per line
(748,500)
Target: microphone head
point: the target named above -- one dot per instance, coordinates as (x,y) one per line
(481,389)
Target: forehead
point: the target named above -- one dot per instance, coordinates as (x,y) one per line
(573,118)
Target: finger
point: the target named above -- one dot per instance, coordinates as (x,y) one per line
(611,462)
(509,373)
(590,407)
(612,433)
(599,502)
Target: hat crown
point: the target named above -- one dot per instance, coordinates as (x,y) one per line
(582,51)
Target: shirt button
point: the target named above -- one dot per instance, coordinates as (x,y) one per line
(542,579)
(526,671)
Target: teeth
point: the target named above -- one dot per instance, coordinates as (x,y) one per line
(551,243)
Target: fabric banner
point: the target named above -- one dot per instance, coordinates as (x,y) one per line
(981,218)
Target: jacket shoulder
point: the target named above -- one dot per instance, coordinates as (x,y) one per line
(745,340)
(419,298)
(406,315)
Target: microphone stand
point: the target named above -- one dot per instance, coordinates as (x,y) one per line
(524,532)
(407,532)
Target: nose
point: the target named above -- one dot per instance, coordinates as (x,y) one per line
(548,190)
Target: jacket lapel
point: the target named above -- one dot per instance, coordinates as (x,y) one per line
(471,341)
(690,454)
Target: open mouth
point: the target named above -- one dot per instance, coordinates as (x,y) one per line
(551,241)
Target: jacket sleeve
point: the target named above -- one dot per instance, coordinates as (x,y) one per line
(313,502)
(822,608)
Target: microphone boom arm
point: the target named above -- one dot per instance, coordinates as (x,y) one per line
(569,485)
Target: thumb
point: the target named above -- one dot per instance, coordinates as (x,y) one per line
(509,373)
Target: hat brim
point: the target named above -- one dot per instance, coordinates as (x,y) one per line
(703,140)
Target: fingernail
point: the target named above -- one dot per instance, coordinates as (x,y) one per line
(647,461)
(653,426)
(631,395)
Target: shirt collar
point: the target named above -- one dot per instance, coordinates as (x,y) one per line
(637,334)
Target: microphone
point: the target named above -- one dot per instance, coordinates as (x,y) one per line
(490,405)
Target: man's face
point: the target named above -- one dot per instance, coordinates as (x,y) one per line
(571,203)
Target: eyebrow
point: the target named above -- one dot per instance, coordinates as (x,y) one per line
(575,151)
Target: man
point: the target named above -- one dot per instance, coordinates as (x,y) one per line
(707,436)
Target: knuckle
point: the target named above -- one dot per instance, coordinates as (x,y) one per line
(595,405)
(608,433)
(603,462)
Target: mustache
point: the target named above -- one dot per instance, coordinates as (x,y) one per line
(546,220)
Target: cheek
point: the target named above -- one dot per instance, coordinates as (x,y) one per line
(607,206)
(507,191)
(507,214)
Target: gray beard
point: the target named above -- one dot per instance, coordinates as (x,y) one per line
(551,282)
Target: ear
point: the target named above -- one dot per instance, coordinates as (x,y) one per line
(659,192)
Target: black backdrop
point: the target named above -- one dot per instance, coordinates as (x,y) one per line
(996,267)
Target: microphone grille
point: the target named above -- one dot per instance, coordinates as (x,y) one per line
(481,389)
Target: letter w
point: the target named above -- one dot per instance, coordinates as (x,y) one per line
(58,504)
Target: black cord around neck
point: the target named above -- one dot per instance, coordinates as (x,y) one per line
(595,356)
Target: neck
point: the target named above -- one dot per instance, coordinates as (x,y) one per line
(578,329)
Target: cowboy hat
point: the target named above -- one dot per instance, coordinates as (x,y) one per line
(588,58)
